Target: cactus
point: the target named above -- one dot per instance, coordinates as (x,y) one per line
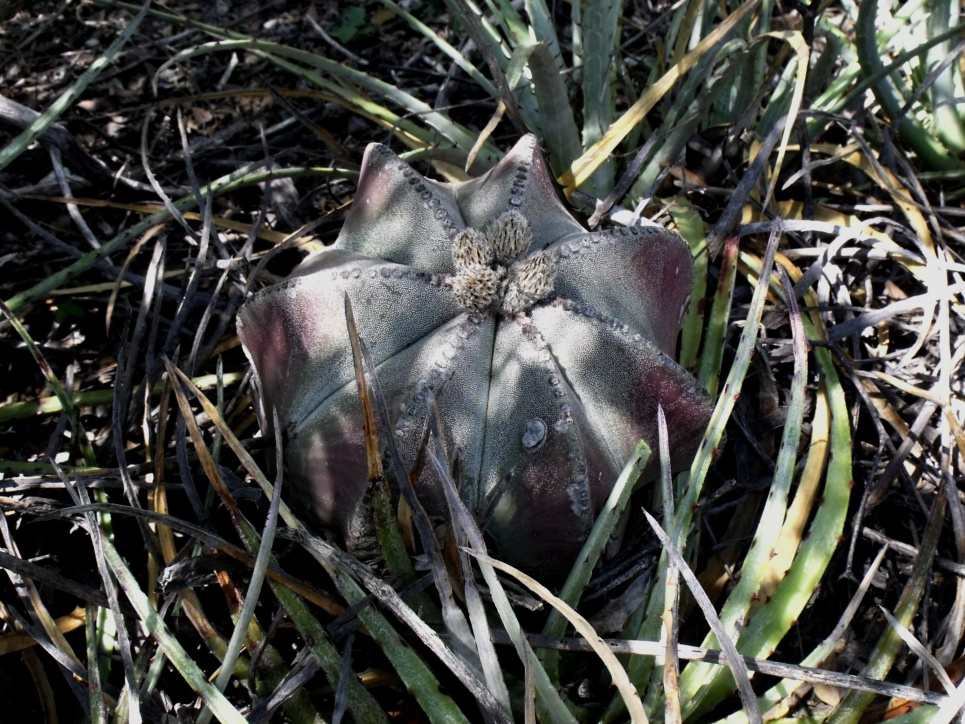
(547,347)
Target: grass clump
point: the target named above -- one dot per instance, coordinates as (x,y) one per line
(158,164)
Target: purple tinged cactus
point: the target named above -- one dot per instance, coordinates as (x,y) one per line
(547,347)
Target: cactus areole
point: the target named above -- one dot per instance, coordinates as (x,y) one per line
(548,349)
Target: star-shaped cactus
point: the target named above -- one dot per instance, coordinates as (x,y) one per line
(547,347)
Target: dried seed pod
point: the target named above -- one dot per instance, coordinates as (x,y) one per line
(475,287)
(510,236)
(528,281)
(471,247)
(547,361)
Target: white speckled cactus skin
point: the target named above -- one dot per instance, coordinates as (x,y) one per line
(548,366)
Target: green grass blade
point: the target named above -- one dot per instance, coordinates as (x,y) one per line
(641,669)
(342,86)
(550,702)
(586,561)
(604,525)
(245,176)
(735,662)
(931,150)
(691,227)
(467,14)
(65,399)
(344,568)
(66,99)
(559,129)
(713,354)
(582,168)
(498,53)
(239,636)
(851,708)
(543,29)
(627,691)
(152,621)
(443,45)
(507,15)
(789,95)
(772,517)
(414,672)
(600,44)
(947,91)
(781,610)
(360,701)
(715,429)
(784,691)
(693,102)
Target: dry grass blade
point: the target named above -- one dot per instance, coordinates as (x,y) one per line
(692,677)
(368,415)
(592,550)
(474,605)
(794,672)
(482,35)
(221,222)
(778,700)
(207,462)
(202,535)
(457,57)
(452,615)
(69,665)
(138,245)
(735,206)
(243,455)
(169,643)
(72,210)
(329,659)
(48,634)
(877,316)
(391,599)
(239,635)
(603,527)
(952,708)
(713,353)
(882,657)
(242,177)
(734,661)
(671,614)
(955,626)
(173,210)
(81,497)
(550,700)
(13,149)
(858,109)
(65,399)
(620,679)
(932,274)
(20,641)
(92,398)
(387,526)
(583,167)
(919,649)
(767,537)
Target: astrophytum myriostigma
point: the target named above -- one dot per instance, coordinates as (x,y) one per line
(548,349)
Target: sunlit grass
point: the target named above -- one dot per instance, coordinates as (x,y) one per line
(813,164)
